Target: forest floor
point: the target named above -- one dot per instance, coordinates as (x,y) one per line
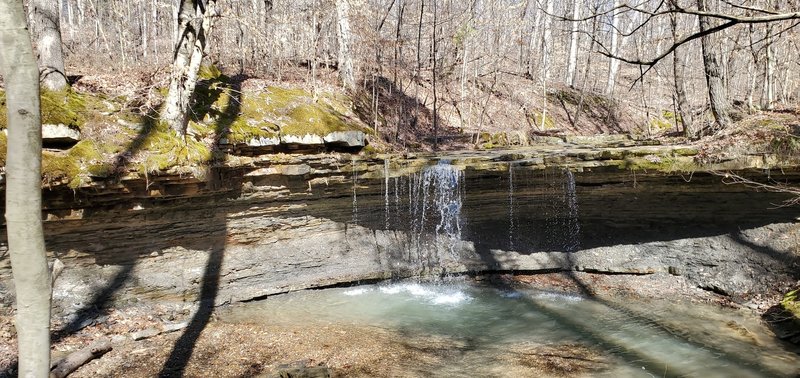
(120,132)
(404,119)
(224,349)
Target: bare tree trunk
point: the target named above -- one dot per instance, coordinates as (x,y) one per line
(397,47)
(435,98)
(717,94)
(572,61)
(80,12)
(24,192)
(345,57)
(546,51)
(143,29)
(586,74)
(154,23)
(769,73)
(613,64)
(418,72)
(682,102)
(195,19)
(47,28)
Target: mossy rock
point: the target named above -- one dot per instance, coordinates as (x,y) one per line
(223,110)
(661,124)
(65,107)
(3,148)
(791,303)
(209,72)
(314,119)
(659,163)
(71,165)
(536,120)
(162,149)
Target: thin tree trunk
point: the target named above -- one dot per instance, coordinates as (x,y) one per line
(345,56)
(613,64)
(586,74)
(716,86)
(195,21)
(682,103)
(47,28)
(435,98)
(397,47)
(572,61)
(24,192)
(769,73)
(144,29)
(80,12)
(154,23)
(533,41)
(546,51)
(418,72)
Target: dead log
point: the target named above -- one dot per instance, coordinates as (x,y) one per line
(74,360)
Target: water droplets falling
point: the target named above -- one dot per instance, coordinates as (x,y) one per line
(386,193)
(572,228)
(355,194)
(511,223)
(434,220)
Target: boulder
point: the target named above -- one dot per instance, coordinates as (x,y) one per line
(353,138)
(59,134)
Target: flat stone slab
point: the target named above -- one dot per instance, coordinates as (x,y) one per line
(59,133)
(307,139)
(264,141)
(353,138)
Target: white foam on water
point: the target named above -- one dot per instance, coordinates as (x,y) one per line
(438,296)
(451,298)
(357,291)
(559,297)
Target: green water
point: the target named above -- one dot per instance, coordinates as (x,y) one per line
(640,338)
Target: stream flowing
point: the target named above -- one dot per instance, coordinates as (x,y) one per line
(485,322)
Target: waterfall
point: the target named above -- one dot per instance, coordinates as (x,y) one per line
(355,195)
(386,193)
(573,227)
(511,206)
(436,197)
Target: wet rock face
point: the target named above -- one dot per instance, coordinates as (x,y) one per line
(296,222)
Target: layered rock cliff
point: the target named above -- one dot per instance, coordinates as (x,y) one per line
(263,225)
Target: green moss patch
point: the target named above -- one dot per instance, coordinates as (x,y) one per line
(66,107)
(659,163)
(791,303)
(222,109)
(536,120)
(3,147)
(71,165)
(316,119)
(162,149)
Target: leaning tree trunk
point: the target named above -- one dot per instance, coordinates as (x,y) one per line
(717,93)
(47,29)
(24,191)
(345,56)
(195,18)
